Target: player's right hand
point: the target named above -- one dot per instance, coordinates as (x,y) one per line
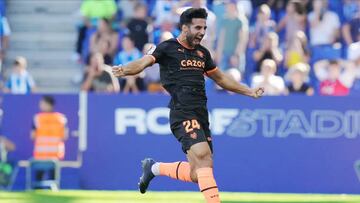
(257,92)
(118,71)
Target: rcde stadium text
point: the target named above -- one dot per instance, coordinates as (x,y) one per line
(246,123)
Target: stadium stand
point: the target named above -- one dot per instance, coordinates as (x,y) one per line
(44,33)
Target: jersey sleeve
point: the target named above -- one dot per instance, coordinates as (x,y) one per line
(210,65)
(158,52)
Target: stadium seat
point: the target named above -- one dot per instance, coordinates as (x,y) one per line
(329,52)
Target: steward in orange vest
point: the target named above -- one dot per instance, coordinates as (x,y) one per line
(49,131)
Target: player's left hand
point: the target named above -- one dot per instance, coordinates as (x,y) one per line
(118,71)
(258,92)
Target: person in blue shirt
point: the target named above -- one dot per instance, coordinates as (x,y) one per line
(20,80)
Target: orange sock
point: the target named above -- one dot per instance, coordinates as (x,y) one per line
(208,185)
(177,170)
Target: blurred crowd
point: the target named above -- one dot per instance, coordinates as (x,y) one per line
(309,47)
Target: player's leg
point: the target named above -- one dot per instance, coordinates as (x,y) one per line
(200,160)
(178,170)
(188,132)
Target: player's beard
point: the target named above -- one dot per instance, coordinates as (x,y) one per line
(190,38)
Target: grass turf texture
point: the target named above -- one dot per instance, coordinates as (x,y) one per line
(168,197)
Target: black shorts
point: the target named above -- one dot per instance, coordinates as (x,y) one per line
(191,127)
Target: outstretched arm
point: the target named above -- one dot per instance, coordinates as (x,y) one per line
(230,84)
(133,67)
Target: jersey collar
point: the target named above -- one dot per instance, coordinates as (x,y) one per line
(182,44)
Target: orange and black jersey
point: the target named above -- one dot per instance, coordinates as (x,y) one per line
(182,72)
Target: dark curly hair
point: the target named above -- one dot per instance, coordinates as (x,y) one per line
(187,16)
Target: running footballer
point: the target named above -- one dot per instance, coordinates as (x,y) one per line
(183,65)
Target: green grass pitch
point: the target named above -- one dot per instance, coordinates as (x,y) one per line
(166,197)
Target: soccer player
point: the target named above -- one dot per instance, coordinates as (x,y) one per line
(183,64)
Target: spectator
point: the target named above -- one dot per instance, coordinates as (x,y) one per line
(245,7)
(20,80)
(4,35)
(166,26)
(6,167)
(293,21)
(49,133)
(233,72)
(297,51)
(324,24)
(233,37)
(91,11)
(98,76)
(269,50)
(165,10)
(278,8)
(129,53)
(297,76)
(274,85)
(103,48)
(127,7)
(138,26)
(105,39)
(354,57)
(263,26)
(166,36)
(94,9)
(351,28)
(336,77)
(6,145)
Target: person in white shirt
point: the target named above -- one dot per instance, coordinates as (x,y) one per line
(324,24)
(274,85)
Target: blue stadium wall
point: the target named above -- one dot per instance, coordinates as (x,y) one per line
(275,144)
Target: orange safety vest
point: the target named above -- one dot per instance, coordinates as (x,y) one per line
(49,135)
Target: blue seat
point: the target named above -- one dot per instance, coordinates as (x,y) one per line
(329,52)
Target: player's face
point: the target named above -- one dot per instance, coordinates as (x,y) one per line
(196,31)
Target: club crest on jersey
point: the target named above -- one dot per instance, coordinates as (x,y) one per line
(193,135)
(192,63)
(200,53)
(151,50)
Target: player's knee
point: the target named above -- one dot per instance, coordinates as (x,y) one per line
(204,157)
(203,160)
